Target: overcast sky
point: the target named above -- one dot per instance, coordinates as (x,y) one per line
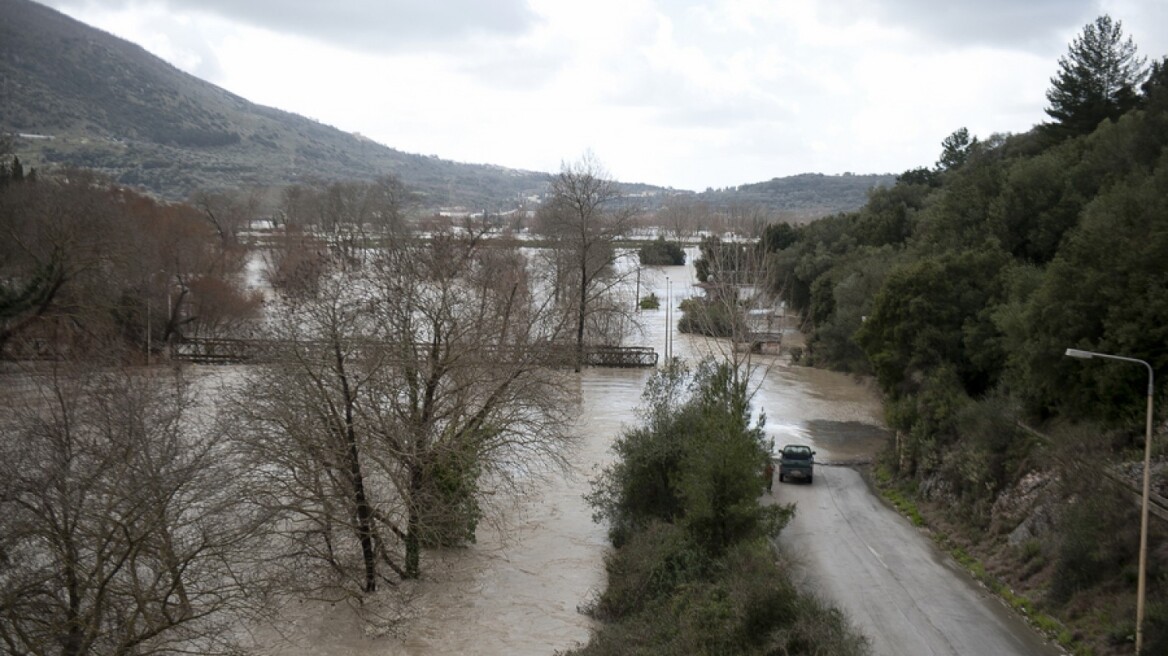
(679,93)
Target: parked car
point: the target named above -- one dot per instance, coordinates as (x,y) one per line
(796,461)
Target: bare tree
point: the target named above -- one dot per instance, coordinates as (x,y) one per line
(748,219)
(295,260)
(684,216)
(53,234)
(82,260)
(740,302)
(583,219)
(406,390)
(304,433)
(349,214)
(226,211)
(122,526)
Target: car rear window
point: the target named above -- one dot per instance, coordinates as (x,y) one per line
(797,454)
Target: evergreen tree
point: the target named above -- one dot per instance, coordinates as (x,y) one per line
(1155,87)
(955,149)
(1097,79)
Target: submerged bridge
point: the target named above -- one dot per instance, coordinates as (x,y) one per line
(760,341)
(239,351)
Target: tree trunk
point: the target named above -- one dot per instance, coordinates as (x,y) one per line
(413,526)
(72,643)
(364,514)
(581,312)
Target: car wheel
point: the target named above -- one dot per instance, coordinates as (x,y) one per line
(810,478)
(780,478)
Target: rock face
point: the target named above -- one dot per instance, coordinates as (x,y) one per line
(1028,507)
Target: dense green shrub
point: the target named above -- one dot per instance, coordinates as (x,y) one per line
(1097,536)
(746,605)
(712,318)
(694,571)
(694,462)
(661,253)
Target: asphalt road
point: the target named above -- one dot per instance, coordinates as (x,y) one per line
(908,597)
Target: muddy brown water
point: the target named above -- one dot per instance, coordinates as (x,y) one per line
(519,590)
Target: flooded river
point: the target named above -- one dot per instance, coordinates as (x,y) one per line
(518,590)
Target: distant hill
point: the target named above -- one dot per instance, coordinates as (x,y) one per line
(807,195)
(78,96)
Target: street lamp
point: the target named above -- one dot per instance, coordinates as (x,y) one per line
(1140,586)
(668,319)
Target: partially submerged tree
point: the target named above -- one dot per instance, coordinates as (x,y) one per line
(661,253)
(83,261)
(227,212)
(404,392)
(347,214)
(583,219)
(123,526)
(739,300)
(694,462)
(684,217)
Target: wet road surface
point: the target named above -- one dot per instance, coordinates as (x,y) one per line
(889,578)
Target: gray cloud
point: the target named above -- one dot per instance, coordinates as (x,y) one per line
(364,25)
(509,69)
(1038,26)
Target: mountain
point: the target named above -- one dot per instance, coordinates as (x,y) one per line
(73,95)
(84,97)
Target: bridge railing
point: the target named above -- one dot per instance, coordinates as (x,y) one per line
(225,351)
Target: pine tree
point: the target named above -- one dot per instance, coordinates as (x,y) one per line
(955,149)
(1156,84)
(1097,79)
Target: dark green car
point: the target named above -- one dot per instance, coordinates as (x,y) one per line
(796,461)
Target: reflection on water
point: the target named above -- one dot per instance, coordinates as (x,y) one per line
(845,442)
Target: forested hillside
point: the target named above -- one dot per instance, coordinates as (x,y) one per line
(808,195)
(89,99)
(961,287)
(85,98)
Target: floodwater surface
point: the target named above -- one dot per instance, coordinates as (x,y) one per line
(520,589)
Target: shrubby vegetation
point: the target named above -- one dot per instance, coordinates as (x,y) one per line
(961,286)
(737,280)
(710,317)
(86,265)
(728,262)
(661,253)
(693,571)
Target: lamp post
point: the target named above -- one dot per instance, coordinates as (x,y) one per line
(1140,585)
(668,319)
